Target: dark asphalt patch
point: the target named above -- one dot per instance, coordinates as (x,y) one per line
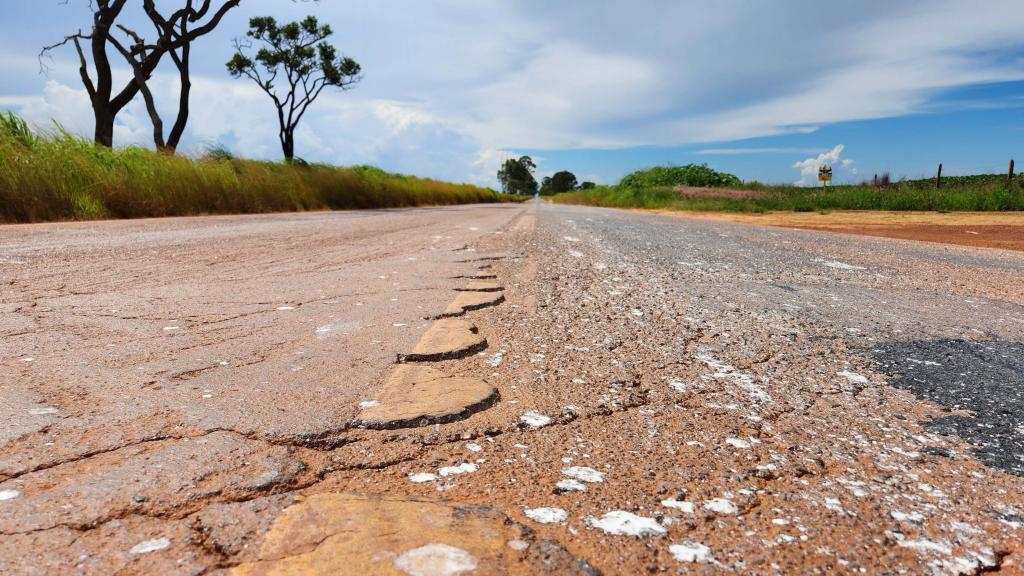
(985,378)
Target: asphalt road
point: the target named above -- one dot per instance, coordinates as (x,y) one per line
(655,394)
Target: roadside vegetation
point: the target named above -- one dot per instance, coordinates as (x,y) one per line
(702,189)
(59,176)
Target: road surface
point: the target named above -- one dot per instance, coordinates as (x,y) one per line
(508,389)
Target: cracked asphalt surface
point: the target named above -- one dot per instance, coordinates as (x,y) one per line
(182,396)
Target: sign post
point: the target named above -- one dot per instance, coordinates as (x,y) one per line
(824,175)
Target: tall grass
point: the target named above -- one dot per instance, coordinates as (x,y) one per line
(966,193)
(58,176)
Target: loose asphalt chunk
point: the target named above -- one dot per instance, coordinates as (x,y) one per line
(447,339)
(341,534)
(418,396)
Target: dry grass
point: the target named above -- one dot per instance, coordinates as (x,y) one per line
(58,176)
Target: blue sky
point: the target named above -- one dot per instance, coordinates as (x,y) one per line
(765,90)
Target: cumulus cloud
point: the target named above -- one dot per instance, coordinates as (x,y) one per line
(809,167)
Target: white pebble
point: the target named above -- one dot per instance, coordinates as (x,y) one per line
(736,442)
(625,523)
(535,419)
(687,507)
(150,546)
(914,517)
(690,551)
(421,477)
(584,473)
(854,377)
(460,469)
(721,506)
(570,485)
(9,494)
(546,515)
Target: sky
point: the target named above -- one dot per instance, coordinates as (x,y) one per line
(451,88)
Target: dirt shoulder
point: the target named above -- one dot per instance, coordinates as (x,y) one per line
(1003,230)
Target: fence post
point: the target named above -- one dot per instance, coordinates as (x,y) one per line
(938,176)
(1009,175)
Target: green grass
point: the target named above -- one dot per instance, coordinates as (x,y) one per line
(58,176)
(963,193)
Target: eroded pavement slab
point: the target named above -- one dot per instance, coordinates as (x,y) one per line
(469,301)
(418,395)
(342,534)
(482,286)
(447,339)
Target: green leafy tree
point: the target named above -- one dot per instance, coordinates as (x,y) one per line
(588,186)
(296,53)
(669,176)
(516,176)
(559,182)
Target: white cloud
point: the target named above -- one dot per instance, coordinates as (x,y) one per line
(58,103)
(450,86)
(741,151)
(809,167)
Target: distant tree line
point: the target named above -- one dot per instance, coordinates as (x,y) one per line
(516,177)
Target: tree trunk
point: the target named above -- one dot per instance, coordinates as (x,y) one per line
(104,116)
(288,145)
(183,102)
(184,73)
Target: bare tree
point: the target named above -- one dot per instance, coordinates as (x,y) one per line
(141,55)
(298,52)
(176,27)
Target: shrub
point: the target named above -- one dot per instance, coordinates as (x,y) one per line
(690,175)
